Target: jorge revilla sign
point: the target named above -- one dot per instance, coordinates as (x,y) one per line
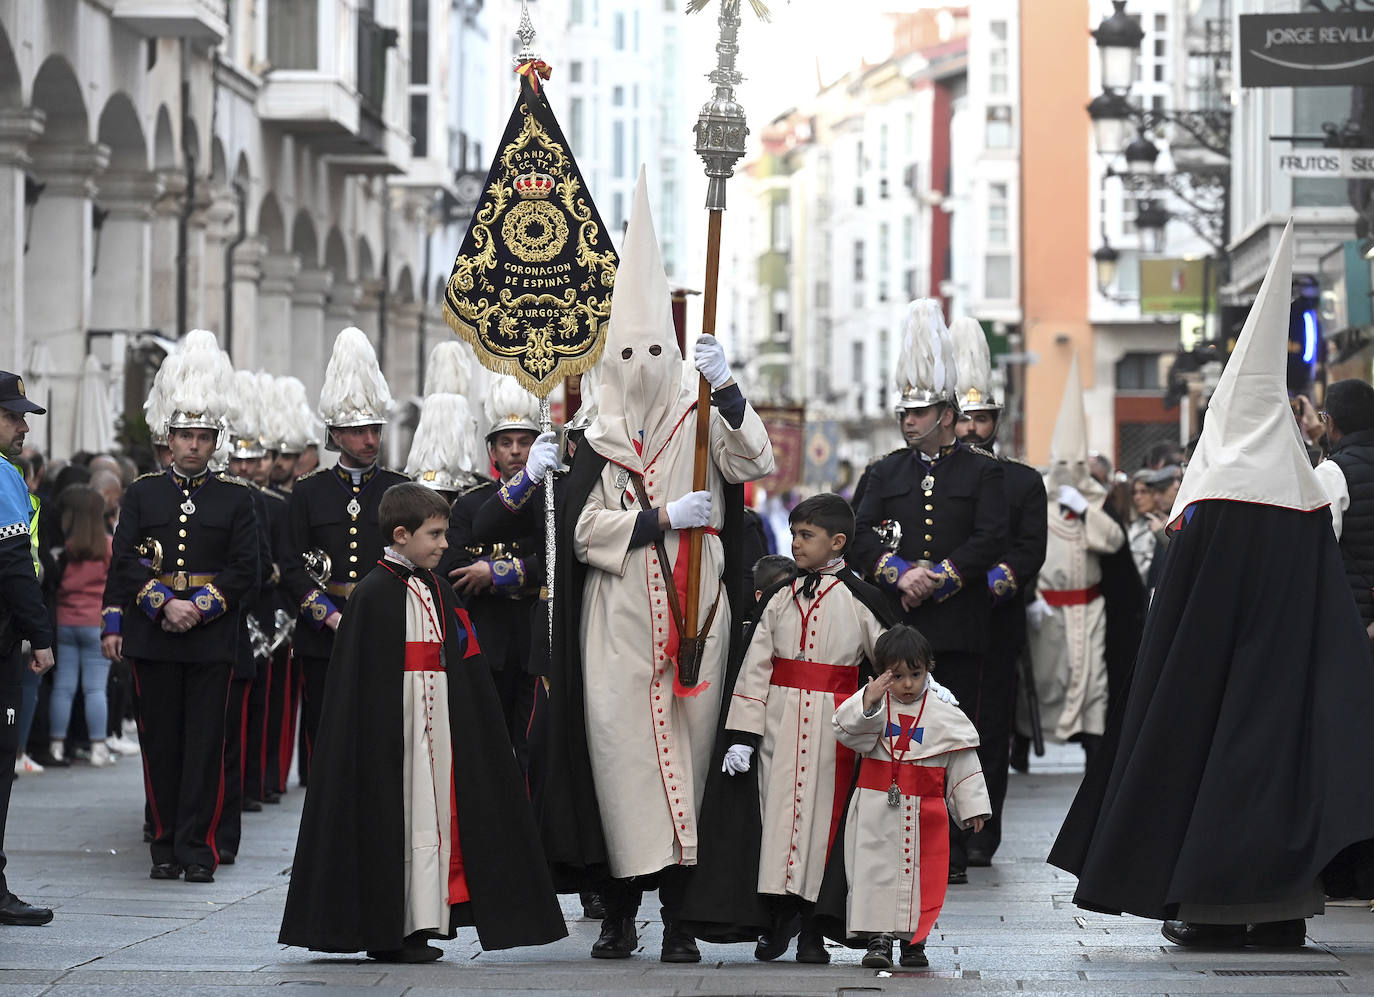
(1312,49)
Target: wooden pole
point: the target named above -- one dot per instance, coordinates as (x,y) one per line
(703,438)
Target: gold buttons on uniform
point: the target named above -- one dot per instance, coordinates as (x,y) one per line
(181,563)
(181,533)
(929,537)
(930,522)
(352,574)
(352,545)
(930,508)
(353,557)
(183,519)
(352,530)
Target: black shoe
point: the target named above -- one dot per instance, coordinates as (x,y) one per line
(271,796)
(978,858)
(1278,934)
(227,858)
(773,942)
(165,870)
(678,944)
(879,954)
(958,877)
(914,955)
(811,948)
(199,874)
(592,907)
(1204,936)
(618,939)
(410,953)
(15,911)
(252,806)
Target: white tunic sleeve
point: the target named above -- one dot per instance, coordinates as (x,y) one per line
(854,730)
(749,701)
(602,536)
(743,454)
(966,794)
(1101,531)
(1333,482)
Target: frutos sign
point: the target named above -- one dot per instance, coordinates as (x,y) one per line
(1357,164)
(1314,49)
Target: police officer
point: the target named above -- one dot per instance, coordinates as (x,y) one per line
(22,616)
(1008,580)
(932,522)
(334,536)
(184,560)
(501,579)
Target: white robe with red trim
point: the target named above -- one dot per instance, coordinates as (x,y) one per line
(427,772)
(1069,649)
(649,749)
(896,859)
(797,758)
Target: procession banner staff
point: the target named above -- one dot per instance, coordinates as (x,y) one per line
(531,286)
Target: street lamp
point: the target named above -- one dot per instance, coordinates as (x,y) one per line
(1105,259)
(1151,217)
(1111,116)
(1140,156)
(1118,40)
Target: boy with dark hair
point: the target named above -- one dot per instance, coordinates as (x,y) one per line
(919,763)
(771,570)
(813,637)
(415,819)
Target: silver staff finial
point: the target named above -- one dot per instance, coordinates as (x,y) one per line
(525,32)
(720,127)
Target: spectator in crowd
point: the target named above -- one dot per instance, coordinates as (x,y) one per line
(110,487)
(1347,477)
(82,567)
(1163,484)
(35,478)
(308,460)
(1145,522)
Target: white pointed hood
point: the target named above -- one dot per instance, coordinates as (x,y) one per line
(642,397)
(1250,449)
(1069,445)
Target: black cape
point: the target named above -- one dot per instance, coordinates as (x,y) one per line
(570,817)
(1235,769)
(722,902)
(347,890)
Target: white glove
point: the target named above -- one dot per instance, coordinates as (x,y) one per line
(709,357)
(690,511)
(1072,499)
(1038,612)
(737,759)
(941,693)
(543,457)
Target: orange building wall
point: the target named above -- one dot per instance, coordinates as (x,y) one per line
(1055,145)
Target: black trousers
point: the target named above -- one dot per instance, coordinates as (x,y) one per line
(623,896)
(996,713)
(516,689)
(314,672)
(235,758)
(962,673)
(279,736)
(181,708)
(255,733)
(11,697)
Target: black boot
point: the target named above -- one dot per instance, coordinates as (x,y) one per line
(879,954)
(1204,936)
(618,938)
(414,949)
(1020,753)
(592,907)
(811,947)
(678,945)
(1278,934)
(914,954)
(773,942)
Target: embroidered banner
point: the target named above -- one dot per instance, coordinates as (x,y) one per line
(785,427)
(531,287)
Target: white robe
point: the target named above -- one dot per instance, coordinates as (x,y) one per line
(650,749)
(1069,648)
(426,775)
(796,759)
(883,845)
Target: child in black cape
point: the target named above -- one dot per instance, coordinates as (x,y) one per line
(382,869)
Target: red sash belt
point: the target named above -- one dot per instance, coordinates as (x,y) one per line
(423,656)
(1070,597)
(912,780)
(815,676)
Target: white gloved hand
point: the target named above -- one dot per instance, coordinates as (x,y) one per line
(709,358)
(737,759)
(543,457)
(1072,499)
(690,511)
(941,693)
(1038,611)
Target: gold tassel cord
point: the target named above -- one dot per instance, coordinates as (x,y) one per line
(760,8)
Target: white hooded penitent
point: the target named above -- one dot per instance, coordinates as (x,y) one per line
(1250,449)
(642,398)
(1069,445)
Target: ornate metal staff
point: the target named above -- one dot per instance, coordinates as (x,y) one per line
(720,131)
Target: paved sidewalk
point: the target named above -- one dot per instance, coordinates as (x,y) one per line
(75,844)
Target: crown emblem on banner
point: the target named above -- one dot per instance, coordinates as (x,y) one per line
(533,185)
